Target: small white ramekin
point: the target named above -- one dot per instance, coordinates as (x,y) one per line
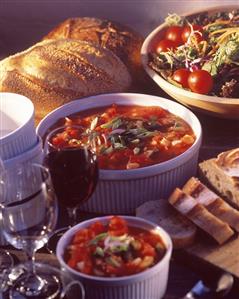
(149,284)
(17,129)
(122,191)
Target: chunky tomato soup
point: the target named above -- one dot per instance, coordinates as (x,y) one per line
(128,137)
(115,249)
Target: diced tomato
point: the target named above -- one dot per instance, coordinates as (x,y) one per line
(117,226)
(58,141)
(88,266)
(131,268)
(147,250)
(141,159)
(72,263)
(118,158)
(97,227)
(73,133)
(152,239)
(82,236)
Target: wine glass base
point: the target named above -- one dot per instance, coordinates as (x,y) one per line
(22,286)
(54,238)
(6,260)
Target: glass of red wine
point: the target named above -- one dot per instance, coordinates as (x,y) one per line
(71,160)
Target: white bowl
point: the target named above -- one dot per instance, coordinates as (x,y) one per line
(216,106)
(17,129)
(121,191)
(150,283)
(32,155)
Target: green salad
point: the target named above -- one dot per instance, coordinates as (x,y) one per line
(200,53)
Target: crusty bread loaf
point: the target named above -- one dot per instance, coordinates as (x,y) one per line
(181,230)
(223,174)
(54,72)
(199,215)
(120,39)
(214,204)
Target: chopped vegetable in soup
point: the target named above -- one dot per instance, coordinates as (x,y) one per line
(129,137)
(114,249)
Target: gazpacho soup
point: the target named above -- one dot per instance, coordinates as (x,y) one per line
(114,249)
(128,137)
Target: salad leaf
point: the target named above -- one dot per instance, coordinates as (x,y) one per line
(174,19)
(211,67)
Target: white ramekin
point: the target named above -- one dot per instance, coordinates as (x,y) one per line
(17,129)
(122,191)
(149,284)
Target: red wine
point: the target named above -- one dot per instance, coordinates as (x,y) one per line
(74,173)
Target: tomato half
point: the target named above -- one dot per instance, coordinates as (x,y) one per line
(200,81)
(187,31)
(181,76)
(174,33)
(165,45)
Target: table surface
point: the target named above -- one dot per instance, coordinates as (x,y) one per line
(218,135)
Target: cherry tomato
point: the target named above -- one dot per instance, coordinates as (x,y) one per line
(165,45)
(187,31)
(200,81)
(181,76)
(174,33)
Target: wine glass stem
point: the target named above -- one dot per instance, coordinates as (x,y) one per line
(30,252)
(72,214)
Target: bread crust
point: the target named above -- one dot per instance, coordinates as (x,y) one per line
(181,230)
(121,40)
(214,204)
(200,216)
(54,72)
(221,180)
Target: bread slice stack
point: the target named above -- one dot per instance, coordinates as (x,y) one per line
(214,204)
(206,210)
(222,173)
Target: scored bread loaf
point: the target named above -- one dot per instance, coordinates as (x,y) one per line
(199,215)
(181,230)
(54,72)
(214,204)
(222,173)
(120,39)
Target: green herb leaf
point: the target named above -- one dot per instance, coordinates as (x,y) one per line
(98,238)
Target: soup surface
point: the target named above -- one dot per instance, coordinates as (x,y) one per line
(114,249)
(128,137)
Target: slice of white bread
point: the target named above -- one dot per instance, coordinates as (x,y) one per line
(214,204)
(222,173)
(181,230)
(199,215)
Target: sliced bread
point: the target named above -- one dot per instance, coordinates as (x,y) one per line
(216,205)
(223,174)
(199,215)
(181,230)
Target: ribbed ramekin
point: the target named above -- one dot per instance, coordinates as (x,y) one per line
(17,129)
(122,191)
(149,284)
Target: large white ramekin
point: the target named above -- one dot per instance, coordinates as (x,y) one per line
(17,129)
(121,191)
(148,284)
